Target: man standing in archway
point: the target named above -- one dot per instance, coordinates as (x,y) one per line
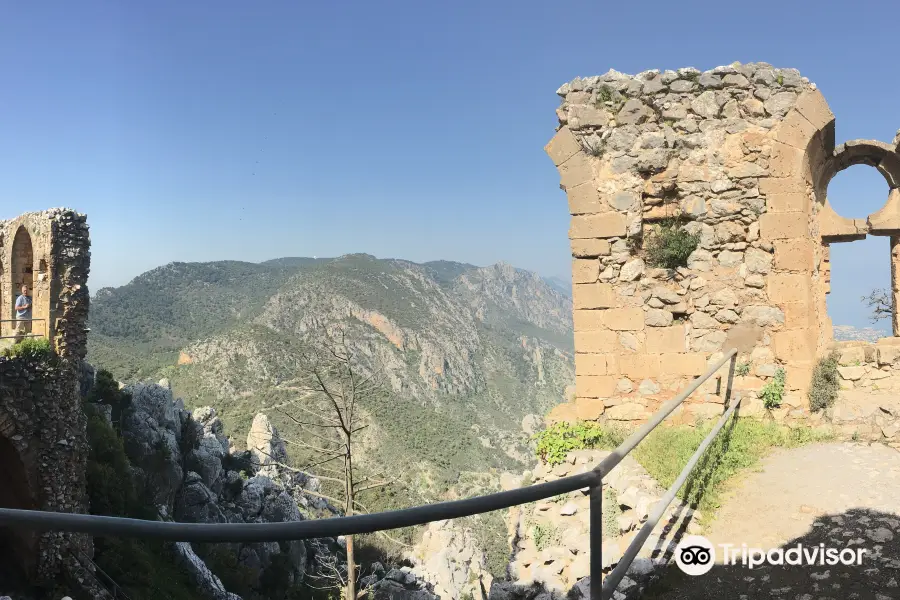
(23,315)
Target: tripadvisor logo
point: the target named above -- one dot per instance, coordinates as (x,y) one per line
(695,555)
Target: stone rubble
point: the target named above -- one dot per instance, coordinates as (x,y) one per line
(551,542)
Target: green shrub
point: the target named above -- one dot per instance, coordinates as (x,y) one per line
(110,488)
(546,535)
(34,348)
(742,370)
(106,391)
(773,392)
(604,94)
(669,245)
(825,384)
(555,442)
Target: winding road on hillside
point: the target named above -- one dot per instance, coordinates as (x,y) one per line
(842,495)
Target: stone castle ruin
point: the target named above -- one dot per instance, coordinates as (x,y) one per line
(43,451)
(739,157)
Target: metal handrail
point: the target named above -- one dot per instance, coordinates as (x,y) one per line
(419,515)
(17,320)
(117,591)
(24,335)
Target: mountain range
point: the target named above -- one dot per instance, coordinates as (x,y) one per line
(470,352)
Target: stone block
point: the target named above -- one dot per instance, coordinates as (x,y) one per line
(782,185)
(624,319)
(683,364)
(563,146)
(576,171)
(784,288)
(852,373)
(562,413)
(600,342)
(778,226)
(585,199)
(585,270)
(611,224)
(851,355)
(887,354)
(587,320)
(787,202)
(798,377)
(595,386)
(704,411)
(794,130)
(786,161)
(639,366)
(627,412)
(887,218)
(798,315)
(796,344)
(795,255)
(833,226)
(590,364)
(587,248)
(589,409)
(812,105)
(664,340)
(748,383)
(593,295)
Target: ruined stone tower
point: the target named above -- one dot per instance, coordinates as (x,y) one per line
(43,451)
(740,157)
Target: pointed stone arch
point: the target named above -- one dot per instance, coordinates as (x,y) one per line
(21,262)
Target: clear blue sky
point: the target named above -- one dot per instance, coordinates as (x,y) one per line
(198,131)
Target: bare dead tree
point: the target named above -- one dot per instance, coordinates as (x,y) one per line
(329,418)
(881,303)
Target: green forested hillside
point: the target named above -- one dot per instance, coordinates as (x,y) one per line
(468,351)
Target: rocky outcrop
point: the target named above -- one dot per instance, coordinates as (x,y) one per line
(396,584)
(186,463)
(550,539)
(449,556)
(264,444)
(203,578)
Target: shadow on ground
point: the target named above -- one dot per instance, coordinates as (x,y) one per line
(876,578)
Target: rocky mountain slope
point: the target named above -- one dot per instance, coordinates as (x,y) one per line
(468,352)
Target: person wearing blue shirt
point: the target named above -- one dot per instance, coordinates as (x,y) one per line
(23,314)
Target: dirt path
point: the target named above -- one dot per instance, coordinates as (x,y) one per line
(842,495)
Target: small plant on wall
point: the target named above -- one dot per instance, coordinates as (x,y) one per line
(668,244)
(772,393)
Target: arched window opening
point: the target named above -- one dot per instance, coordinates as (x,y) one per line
(859,297)
(22,264)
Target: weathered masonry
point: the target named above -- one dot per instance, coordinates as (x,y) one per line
(43,451)
(49,252)
(741,157)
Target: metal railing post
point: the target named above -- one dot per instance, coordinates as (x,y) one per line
(596,534)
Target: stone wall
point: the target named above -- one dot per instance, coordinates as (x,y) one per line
(741,157)
(867,407)
(50,252)
(42,426)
